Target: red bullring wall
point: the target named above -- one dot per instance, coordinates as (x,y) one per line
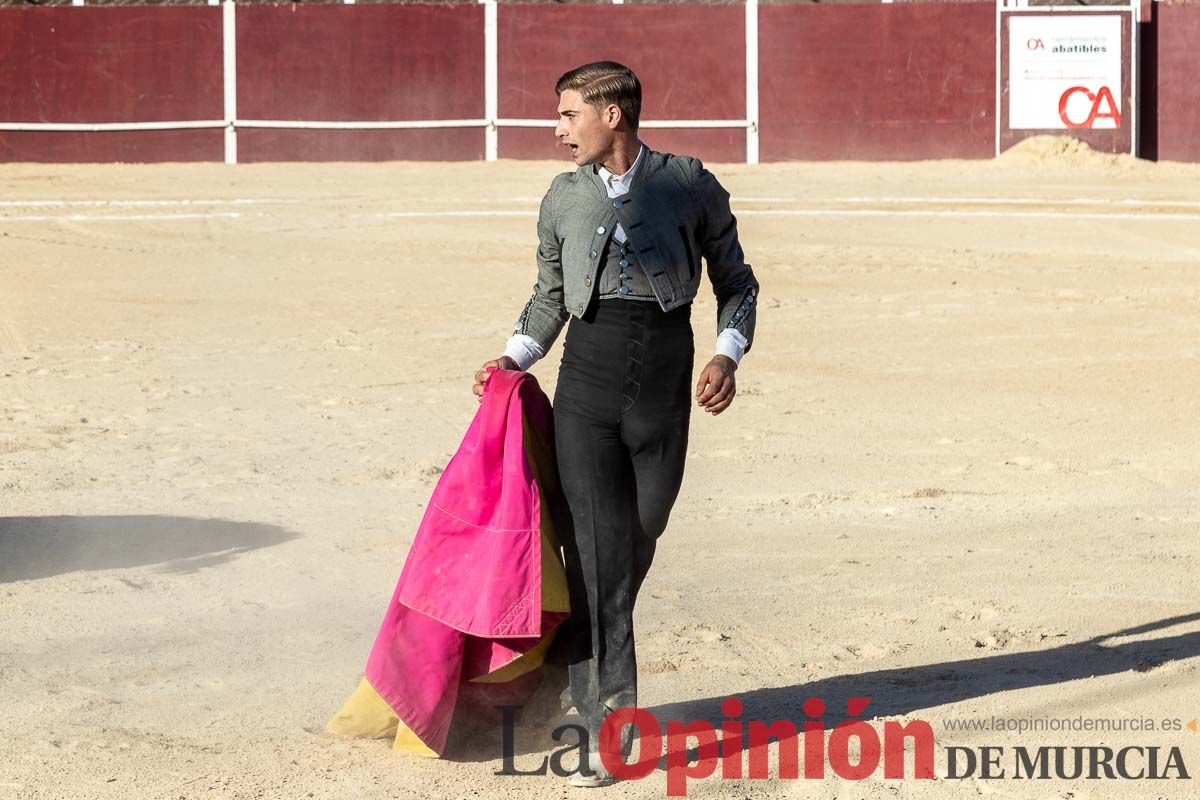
(877,82)
(1177,89)
(369,62)
(887,81)
(96,64)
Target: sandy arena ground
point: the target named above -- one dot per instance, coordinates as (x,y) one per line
(960,475)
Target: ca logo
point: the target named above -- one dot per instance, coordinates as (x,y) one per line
(1099,101)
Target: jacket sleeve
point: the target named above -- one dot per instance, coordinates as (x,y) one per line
(732,279)
(544,314)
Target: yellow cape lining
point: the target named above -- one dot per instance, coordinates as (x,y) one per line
(367,714)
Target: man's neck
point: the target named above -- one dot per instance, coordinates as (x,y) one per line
(624,153)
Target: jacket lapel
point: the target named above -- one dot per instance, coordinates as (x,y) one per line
(649,162)
(596,180)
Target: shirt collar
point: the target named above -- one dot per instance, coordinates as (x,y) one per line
(622,180)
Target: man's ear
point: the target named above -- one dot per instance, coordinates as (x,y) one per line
(612,115)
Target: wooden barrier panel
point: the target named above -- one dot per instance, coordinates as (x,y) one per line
(361,62)
(123,64)
(690,60)
(1178,86)
(877,82)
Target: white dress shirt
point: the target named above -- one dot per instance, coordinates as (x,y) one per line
(525,350)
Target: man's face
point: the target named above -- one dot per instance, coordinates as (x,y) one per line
(581,129)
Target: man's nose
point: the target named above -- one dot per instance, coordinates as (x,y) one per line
(560,130)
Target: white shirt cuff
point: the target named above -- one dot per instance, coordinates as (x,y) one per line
(731,343)
(524,350)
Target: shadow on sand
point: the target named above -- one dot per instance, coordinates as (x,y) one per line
(893,692)
(902,691)
(39,547)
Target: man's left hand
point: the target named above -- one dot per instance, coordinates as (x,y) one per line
(716,387)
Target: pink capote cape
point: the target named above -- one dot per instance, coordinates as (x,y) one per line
(468,619)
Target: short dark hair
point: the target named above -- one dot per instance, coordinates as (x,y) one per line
(603,82)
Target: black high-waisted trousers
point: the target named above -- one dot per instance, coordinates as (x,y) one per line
(621,413)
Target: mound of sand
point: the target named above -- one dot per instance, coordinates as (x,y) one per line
(1050,150)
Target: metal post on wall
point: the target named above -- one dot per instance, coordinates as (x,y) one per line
(491,71)
(999,77)
(751,81)
(1135,17)
(229,70)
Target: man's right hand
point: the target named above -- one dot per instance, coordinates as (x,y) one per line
(503,362)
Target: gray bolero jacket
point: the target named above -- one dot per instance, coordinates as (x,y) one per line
(674,213)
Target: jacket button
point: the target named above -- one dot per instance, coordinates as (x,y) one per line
(618,203)
(600,230)
(587,281)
